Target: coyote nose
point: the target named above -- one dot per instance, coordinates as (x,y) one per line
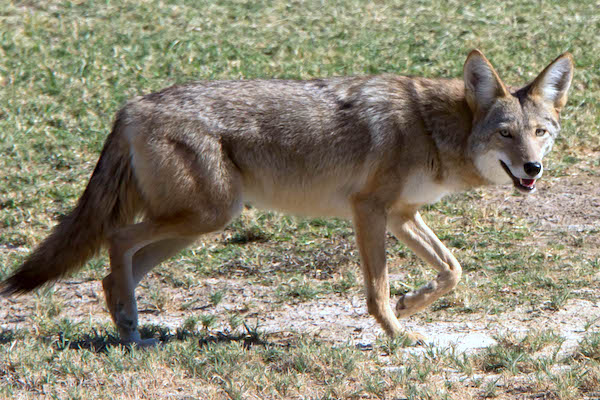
(532,168)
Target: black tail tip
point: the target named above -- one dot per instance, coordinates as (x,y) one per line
(7,289)
(18,284)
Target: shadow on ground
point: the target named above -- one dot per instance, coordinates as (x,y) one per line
(101,341)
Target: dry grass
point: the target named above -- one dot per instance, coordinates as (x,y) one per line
(273,306)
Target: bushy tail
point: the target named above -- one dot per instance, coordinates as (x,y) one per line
(109,200)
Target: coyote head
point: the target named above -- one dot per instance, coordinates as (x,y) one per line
(513,130)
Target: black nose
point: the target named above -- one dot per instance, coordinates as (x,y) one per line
(532,168)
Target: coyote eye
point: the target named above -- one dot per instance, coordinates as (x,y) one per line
(505,133)
(540,132)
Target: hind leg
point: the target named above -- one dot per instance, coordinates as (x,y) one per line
(119,285)
(189,187)
(153,254)
(134,250)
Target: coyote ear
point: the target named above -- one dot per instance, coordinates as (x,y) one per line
(553,83)
(482,83)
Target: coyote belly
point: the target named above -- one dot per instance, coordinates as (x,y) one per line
(184,161)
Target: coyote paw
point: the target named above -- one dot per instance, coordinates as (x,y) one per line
(142,343)
(403,310)
(131,337)
(414,338)
(147,342)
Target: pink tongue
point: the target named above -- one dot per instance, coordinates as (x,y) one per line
(527,182)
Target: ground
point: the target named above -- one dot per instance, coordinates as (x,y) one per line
(273,306)
(563,207)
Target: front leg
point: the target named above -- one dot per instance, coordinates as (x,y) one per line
(369,222)
(411,230)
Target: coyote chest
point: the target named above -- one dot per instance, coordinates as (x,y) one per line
(420,188)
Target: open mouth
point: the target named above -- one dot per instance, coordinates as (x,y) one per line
(524,185)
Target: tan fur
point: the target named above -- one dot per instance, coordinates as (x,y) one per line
(371,148)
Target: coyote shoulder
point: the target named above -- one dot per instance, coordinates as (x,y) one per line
(185,160)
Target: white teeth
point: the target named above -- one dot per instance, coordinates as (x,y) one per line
(530,183)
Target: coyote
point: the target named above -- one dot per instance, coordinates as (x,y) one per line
(185,160)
